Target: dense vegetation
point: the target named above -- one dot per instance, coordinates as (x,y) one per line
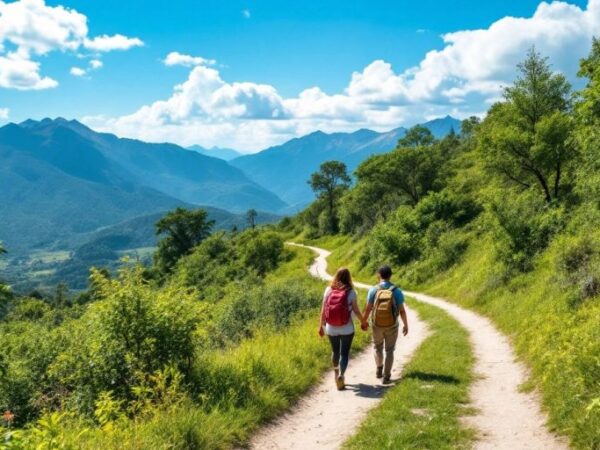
(166,355)
(503,218)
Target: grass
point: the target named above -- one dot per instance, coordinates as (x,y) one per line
(559,341)
(235,390)
(423,411)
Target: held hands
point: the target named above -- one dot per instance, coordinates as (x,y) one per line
(364,325)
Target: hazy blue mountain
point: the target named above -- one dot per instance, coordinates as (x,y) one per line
(286,168)
(226,154)
(168,168)
(57,186)
(443,126)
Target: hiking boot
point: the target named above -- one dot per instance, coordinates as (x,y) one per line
(386,379)
(379,372)
(339,381)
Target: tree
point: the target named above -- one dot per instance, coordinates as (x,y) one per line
(183,230)
(587,134)
(251,218)
(329,183)
(526,138)
(417,136)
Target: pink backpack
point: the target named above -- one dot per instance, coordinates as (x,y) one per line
(337,312)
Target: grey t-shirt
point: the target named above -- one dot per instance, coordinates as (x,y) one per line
(332,330)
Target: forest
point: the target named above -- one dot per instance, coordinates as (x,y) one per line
(217,334)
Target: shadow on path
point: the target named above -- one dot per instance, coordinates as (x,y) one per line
(368,390)
(432,377)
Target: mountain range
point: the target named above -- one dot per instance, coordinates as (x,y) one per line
(286,168)
(58,178)
(63,185)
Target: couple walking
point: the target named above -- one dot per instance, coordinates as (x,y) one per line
(385,303)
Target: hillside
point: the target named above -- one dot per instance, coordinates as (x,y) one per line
(70,258)
(286,168)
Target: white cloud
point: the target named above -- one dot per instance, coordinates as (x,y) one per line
(107,43)
(77,71)
(246,13)
(96,64)
(30,28)
(179,59)
(462,78)
(17,72)
(4,113)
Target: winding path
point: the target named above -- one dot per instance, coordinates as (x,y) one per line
(506,418)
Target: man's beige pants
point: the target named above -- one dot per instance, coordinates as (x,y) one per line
(385,337)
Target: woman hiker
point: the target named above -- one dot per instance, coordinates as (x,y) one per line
(339,302)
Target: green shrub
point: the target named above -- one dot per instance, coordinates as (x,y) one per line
(524,227)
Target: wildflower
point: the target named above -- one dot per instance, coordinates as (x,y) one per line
(8,417)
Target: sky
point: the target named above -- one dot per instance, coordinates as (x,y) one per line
(250,74)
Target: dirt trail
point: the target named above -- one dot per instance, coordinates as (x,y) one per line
(314,423)
(506,419)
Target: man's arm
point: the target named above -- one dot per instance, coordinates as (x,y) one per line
(402,312)
(368,309)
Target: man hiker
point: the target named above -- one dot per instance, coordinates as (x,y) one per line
(386,302)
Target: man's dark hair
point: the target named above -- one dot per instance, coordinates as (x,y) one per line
(385,272)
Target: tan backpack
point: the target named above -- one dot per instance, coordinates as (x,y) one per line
(385,313)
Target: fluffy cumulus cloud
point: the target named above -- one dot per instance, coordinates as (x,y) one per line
(462,78)
(179,59)
(4,112)
(31,28)
(77,71)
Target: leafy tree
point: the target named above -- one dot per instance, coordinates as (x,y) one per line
(417,136)
(329,183)
(183,230)
(409,171)
(251,218)
(588,126)
(526,138)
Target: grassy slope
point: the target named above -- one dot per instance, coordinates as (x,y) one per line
(424,410)
(559,342)
(256,381)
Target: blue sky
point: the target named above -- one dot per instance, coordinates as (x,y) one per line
(281,49)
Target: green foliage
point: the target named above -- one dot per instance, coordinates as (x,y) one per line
(413,232)
(274,306)
(329,183)
(262,252)
(524,227)
(587,134)
(184,230)
(526,140)
(417,136)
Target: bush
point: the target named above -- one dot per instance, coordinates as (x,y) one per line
(524,227)
(273,306)
(578,266)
